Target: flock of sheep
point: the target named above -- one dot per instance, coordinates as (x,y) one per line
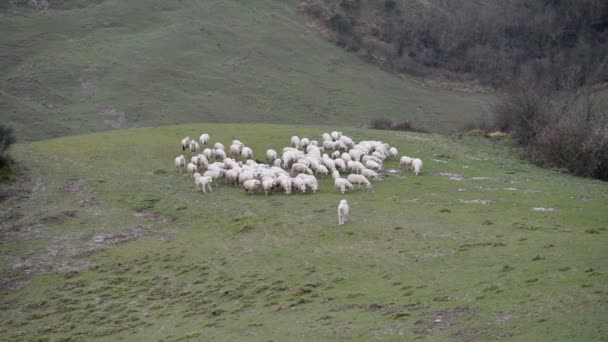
(296,169)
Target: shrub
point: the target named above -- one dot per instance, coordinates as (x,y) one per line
(401,126)
(340,24)
(7,138)
(381,124)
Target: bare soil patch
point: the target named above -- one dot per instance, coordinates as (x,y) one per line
(78,185)
(435,321)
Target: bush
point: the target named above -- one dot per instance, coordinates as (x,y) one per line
(406,125)
(340,24)
(7,138)
(381,124)
(557,129)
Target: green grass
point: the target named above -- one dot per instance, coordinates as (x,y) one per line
(414,262)
(87,66)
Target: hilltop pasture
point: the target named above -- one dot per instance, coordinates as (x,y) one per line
(102,238)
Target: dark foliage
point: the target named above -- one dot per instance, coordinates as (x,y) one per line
(406,125)
(7,138)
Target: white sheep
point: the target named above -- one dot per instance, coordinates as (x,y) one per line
(194,146)
(180,162)
(267,184)
(300,168)
(295,141)
(247,153)
(405,162)
(392,152)
(340,164)
(191,168)
(185,143)
(252,185)
(359,180)
(204,139)
(304,143)
(235,150)
(335,174)
(343,211)
(416,165)
(355,166)
(208,153)
(370,164)
(285,183)
(219,154)
(369,174)
(271,155)
(342,185)
(202,181)
(219,146)
(213,174)
(278,162)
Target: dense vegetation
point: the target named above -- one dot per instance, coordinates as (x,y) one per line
(494,41)
(7,138)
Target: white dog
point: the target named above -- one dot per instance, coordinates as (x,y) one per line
(342,212)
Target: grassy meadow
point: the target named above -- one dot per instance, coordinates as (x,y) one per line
(102,238)
(87,66)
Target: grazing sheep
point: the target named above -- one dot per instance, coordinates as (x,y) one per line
(326,137)
(202,181)
(342,185)
(271,155)
(252,185)
(245,176)
(219,146)
(392,152)
(355,166)
(370,164)
(285,183)
(277,162)
(235,150)
(369,174)
(304,143)
(267,184)
(208,153)
(359,180)
(336,135)
(232,176)
(300,168)
(191,168)
(247,153)
(405,161)
(335,174)
(219,154)
(340,164)
(213,174)
(343,211)
(416,166)
(204,139)
(180,162)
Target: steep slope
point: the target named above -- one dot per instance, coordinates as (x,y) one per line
(84,66)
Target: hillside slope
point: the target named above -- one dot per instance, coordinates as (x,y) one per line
(132,251)
(84,66)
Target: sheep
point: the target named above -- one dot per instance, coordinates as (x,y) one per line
(370,164)
(204,139)
(336,135)
(271,155)
(235,150)
(335,174)
(369,174)
(278,162)
(340,164)
(201,181)
(194,146)
(213,174)
(219,146)
(372,158)
(343,211)
(219,154)
(267,184)
(355,166)
(285,183)
(359,180)
(305,181)
(191,168)
(185,143)
(251,185)
(208,153)
(299,167)
(304,143)
(326,137)
(416,166)
(232,176)
(245,176)
(329,163)
(247,153)
(346,157)
(295,141)
(180,162)
(321,170)
(342,185)
(392,152)
(405,161)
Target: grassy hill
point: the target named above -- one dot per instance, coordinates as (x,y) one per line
(86,66)
(106,240)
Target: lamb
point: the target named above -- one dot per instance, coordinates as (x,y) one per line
(416,165)
(343,211)
(180,162)
(191,168)
(359,180)
(202,181)
(252,185)
(342,185)
(204,139)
